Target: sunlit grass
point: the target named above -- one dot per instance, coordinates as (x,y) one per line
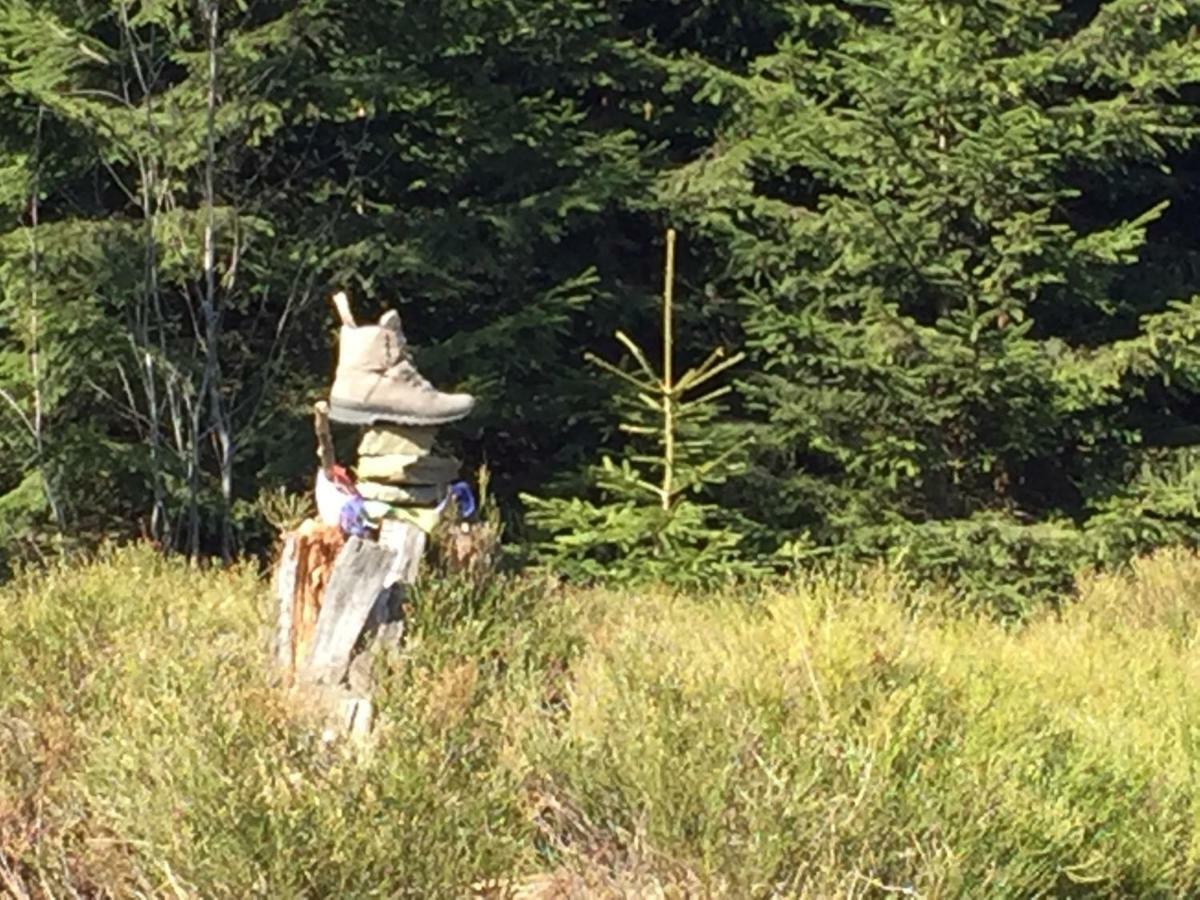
(837,735)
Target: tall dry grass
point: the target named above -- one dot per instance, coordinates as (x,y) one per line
(840,735)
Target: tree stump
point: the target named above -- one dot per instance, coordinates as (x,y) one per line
(339,602)
(360,583)
(304,570)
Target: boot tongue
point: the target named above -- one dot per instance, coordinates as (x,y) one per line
(398,347)
(391,319)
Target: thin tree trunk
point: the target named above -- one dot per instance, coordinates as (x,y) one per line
(212,318)
(150,301)
(159,526)
(38,421)
(667,492)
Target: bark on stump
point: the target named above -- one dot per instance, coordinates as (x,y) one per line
(360,583)
(339,602)
(303,571)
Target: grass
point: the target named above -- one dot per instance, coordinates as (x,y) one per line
(835,736)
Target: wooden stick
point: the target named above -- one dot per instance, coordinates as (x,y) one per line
(324,437)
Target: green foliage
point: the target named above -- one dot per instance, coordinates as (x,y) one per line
(283,509)
(837,732)
(654,522)
(126,374)
(494,170)
(1158,506)
(956,240)
(935,217)
(990,562)
(452,167)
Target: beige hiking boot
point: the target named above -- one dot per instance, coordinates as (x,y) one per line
(376,381)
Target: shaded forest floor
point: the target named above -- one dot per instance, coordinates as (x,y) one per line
(835,735)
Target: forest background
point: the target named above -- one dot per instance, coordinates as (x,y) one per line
(955,240)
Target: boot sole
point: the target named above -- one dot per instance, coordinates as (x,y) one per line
(356,414)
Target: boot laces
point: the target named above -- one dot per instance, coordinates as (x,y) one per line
(402,365)
(404,368)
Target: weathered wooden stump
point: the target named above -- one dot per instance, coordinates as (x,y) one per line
(359,585)
(340,601)
(303,572)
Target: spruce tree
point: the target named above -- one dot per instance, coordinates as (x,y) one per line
(497,174)
(460,161)
(139,293)
(648,513)
(928,211)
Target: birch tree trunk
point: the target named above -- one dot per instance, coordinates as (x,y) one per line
(38,420)
(211,312)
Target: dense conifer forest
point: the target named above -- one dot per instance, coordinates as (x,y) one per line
(955,240)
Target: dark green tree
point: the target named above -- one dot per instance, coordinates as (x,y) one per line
(469,163)
(142,283)
(931,214)
(495,178)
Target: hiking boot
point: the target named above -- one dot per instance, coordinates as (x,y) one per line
(376,381)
